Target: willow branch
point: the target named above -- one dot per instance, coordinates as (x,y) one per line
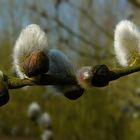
(101,78)
(125,72)
(46,79)
(102,75)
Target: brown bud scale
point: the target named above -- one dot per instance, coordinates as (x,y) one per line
(35,64)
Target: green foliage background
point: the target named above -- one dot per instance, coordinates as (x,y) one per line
(108,113)
(97,114)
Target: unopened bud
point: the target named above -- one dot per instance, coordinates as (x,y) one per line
(4,95)
(35,64)
(100,76)
(74,92)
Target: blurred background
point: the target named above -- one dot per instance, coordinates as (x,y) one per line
(83,30)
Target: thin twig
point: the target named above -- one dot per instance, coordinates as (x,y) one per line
(135,3)
(90,18)
(69,30)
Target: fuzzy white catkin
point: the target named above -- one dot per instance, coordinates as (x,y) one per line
(34,111)
(127,41)
(31,38)
(47,135)
(1,75)
(45,121)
